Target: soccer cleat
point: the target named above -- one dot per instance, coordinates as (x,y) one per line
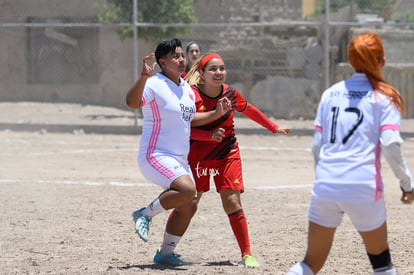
(172,259)
(250,261)
(141,224)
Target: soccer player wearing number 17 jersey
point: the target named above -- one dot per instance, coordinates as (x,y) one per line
(356,120)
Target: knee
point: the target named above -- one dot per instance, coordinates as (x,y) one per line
(231,203)
(185,188)
(232,207)
(188,194)
(189,209)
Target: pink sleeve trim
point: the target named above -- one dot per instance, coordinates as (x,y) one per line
(378,179)
(319,128)
(390,127)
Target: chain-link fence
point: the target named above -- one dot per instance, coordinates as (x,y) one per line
(279,54)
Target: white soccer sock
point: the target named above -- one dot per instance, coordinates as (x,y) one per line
(389,271)
(154,208)
(300,269)
(169,244)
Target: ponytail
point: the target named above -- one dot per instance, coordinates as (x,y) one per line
(366,55)
(193,75)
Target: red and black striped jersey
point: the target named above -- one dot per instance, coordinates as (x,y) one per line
(201,145)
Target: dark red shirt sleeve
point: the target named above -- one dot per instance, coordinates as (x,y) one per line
(254,114)
(199,134)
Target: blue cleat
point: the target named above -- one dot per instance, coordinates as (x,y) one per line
(142,223)
(172,259)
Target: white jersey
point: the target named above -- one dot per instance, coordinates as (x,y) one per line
(351,117)
(167,109)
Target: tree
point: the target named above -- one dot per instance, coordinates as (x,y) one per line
(149,11)
(364,6)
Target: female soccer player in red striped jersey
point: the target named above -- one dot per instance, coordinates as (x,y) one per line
(213,148)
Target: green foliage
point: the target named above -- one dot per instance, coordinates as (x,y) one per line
(372,6)
(363,6)
(149,11)
(404,16)
(410,16)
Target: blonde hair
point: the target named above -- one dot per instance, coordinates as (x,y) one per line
(366,55)
(193,77)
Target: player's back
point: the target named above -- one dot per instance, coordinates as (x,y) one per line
(350,116)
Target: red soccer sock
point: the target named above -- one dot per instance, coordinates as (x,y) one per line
(239,225)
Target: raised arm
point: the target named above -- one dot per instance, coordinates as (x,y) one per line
(256,115)
(203,118)
(134,95)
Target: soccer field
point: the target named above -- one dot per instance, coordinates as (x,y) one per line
(69,183)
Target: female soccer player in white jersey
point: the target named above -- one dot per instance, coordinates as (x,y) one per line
(356,119)
(168,108)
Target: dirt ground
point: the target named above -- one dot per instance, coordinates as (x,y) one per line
(69,183)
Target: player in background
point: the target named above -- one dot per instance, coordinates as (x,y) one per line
(214,150)
(192,52)
(355,120)
(168,108)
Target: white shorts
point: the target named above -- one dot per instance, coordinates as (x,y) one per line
(163,169)
(365,216)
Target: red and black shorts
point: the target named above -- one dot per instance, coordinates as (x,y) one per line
(226,174)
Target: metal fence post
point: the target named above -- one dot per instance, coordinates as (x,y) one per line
(135,39)
(327,44)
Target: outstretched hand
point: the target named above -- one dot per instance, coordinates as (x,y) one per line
(147,68)
(407,198)
(282,130)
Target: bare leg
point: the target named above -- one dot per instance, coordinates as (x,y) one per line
(199,194)
(376,241)
(181,197)
(181,192)
(180,219)
(320,240)
(376,245)
(231,201)
(177,224)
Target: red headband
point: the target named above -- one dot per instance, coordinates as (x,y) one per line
(207,58)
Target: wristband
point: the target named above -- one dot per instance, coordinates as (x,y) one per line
(144,73)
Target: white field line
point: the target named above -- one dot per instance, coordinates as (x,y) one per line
(70,152)
(137,184)
(124,184)
(270,148)
(101,150)
(76,182)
